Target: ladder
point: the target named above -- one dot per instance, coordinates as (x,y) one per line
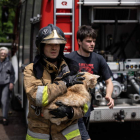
(64,19)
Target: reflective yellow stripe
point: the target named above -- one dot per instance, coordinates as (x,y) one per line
(36,136)
(72,134)
(31,138)
(85,108)
(45,96)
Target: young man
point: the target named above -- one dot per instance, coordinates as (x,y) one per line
(7,78)
(93,63)
(42,85)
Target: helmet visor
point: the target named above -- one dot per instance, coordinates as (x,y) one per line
(54,38)
(54,41)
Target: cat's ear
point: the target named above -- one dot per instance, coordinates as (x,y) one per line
(96,76)
(93,76)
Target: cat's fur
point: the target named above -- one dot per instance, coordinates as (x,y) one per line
(76,96)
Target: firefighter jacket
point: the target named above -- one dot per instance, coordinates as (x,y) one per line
(41,92)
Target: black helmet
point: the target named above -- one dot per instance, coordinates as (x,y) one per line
(51,35)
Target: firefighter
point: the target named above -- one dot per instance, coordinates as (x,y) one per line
(42,87)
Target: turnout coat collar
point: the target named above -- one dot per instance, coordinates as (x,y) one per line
(71,67)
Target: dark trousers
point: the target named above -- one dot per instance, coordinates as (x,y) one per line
(4,98)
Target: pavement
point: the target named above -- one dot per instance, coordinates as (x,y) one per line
(16,129)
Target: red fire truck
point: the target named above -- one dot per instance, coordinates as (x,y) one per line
(117,23)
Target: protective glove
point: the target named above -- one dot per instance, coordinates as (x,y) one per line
(62,111)
(72,80)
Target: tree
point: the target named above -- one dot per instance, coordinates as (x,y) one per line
(7,16)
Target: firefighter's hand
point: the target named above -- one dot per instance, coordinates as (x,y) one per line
(11,86)
(111,102)
(75,79)
(62,111)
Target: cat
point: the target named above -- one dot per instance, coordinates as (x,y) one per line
(76,96)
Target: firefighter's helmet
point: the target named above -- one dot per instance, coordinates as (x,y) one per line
(50,34)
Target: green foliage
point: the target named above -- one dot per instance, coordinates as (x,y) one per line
(6,28)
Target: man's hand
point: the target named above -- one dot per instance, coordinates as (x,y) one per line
(11,86)
(111,102)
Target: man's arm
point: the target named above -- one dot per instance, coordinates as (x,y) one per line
(83,131)
(109,90)
(41,94)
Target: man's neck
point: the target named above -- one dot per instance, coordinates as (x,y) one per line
(83,53)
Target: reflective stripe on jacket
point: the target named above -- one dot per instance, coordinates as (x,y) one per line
(36,136)
(42,95)
(71,131)
(86,107)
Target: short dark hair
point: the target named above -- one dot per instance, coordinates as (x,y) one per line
(86,31)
